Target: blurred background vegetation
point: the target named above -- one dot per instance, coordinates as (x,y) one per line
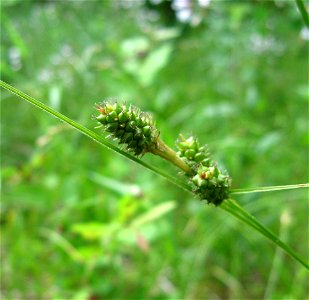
(79,221)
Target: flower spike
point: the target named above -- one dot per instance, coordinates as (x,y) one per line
(137,131)
(131,127)
(210,183)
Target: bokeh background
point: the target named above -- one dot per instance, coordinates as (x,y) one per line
(80,222)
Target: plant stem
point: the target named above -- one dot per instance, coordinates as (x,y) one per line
(239,212)
(269,188)
(303,12)
(169,154)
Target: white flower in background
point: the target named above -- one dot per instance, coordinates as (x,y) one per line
(183,10)
(184,15)
(304,34)
(189,11)
(15,58)
(181,4)
(204,3)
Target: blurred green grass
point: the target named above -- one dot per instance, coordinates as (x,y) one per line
(238,81)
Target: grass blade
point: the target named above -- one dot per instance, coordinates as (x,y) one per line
(303,12)
(229,206)
(269,188)
(240,213)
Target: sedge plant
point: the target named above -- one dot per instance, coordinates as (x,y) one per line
(201,175)
(138,132)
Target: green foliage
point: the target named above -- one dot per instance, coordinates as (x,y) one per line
(238,81)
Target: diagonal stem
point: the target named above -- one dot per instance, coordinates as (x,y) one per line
(169,154)
(235,209)
(303,12)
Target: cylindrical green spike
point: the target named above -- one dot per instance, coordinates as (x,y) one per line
(210,183)
(129,125)
(137,131)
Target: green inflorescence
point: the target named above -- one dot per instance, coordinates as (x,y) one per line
(210,183)
(131,127)
(191,151)
(137,131)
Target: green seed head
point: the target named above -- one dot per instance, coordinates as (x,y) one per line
(211,184)
(191,151)
(131,127)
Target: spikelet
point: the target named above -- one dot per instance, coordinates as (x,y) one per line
(131,127)
(191,151)
(210,183)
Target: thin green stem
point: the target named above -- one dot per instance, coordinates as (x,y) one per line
(169,154)
(232,207)
(303,11)
(278,257)
(269,188)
